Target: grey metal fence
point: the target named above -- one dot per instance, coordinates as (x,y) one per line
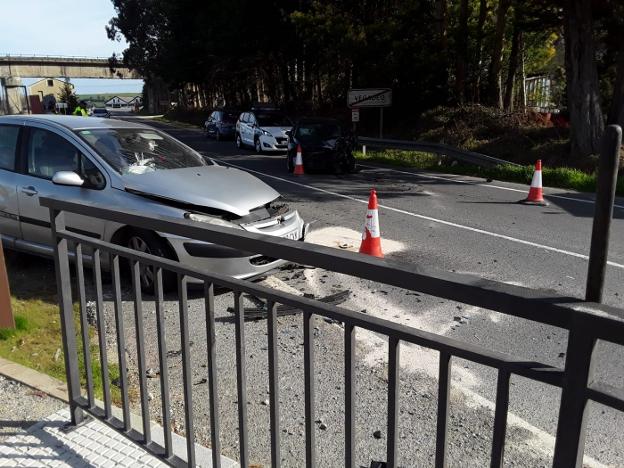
(586,322)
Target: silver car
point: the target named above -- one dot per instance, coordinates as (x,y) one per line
(120,164)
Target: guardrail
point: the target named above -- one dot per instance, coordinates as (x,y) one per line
(586,323)
(436,148)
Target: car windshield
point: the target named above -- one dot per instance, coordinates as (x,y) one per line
(273,120)
(138,150)
(318,131)
(230,118)
(99,111)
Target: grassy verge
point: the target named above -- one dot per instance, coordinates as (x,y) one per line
(36,340)
(560,177)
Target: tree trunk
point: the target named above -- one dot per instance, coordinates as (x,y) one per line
(494,96)
(616,113)
(476,96)
(523,99)
(462,52)
(586,119)
(442,19)
(513,64)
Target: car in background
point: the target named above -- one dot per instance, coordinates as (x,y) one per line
(326,144)
(101,112)
(221,125)
(114,163)
(263,129)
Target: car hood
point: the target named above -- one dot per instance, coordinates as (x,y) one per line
(215,187)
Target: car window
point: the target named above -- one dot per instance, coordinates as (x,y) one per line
(251,120)
(49,153)
(273,119)
(8,145)
(244,117)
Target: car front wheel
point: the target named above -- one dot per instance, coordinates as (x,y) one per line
(258,145)
(150,243)
(239,142)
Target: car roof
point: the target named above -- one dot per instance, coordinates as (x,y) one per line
(70,122)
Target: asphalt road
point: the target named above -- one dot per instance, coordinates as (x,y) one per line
(465,225)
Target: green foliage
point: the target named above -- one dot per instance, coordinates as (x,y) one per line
(21,324)
(68,96)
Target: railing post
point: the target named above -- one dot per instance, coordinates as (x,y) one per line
(570,442)
(603,212)
(68,331)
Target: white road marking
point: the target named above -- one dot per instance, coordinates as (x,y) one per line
(430,218)
(469,182)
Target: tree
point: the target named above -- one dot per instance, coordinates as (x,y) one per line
(483,10)
(494,95)
(514,60)
(462,52)
(586,118)
(68,96)
(616,112)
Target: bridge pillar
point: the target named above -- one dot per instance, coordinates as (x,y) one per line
(13,96)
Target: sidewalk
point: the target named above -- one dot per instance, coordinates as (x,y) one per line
(31,422)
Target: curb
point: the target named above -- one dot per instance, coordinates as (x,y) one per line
(34,379)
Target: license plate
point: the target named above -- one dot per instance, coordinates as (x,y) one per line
(292,235)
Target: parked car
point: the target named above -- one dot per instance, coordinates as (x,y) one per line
(221,124)
(101,112)
(114,163)
(263,129)
(325,145)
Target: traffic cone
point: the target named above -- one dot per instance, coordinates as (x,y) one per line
(298,162)
(536,195)
(371,237)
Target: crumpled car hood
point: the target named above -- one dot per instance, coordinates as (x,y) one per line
(216,187)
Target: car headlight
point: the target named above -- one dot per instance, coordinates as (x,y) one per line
(210,220)
(265,133)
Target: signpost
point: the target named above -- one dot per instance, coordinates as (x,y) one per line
(370,97)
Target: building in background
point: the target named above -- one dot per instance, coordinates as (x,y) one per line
(116,102)
(48,91)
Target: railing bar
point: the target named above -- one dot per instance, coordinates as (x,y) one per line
(443,409)
(393,400)
(138,317)
(349,371)
(500,419)
(162,357)
(186,369)
(101,326)
(84,324)
(273,384)
(215,438)
(241,378)
(308,366)
(121,343)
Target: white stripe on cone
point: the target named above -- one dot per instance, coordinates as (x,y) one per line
(537,179)
(372,224)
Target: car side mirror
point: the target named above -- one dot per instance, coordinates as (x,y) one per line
(288,133)
(67,178)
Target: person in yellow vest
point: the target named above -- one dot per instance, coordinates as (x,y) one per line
(81,109)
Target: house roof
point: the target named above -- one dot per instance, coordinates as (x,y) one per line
(46,79)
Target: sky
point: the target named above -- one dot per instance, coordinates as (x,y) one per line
(63,27)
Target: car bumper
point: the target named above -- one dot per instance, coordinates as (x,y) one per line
(218,259)
(271,144)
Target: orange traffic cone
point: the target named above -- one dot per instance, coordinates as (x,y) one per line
(536,195)
(298,162)
(371,237)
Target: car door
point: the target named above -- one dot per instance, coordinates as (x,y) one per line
(9,212)
(45,153)
(243,129)
(251,128)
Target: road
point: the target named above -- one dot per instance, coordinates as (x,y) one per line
(470,226)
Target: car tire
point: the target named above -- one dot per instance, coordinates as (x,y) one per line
(239,141)
(258,146)
(349,164)
(150,243)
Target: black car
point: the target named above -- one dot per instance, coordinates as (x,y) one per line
(221,124)
(325,145)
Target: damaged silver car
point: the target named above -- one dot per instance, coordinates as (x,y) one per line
(120,164)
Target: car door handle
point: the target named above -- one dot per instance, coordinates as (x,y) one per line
(30,190)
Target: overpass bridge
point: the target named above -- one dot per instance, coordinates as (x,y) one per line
(13,96)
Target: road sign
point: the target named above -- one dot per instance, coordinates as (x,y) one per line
(374,97)
(355,115)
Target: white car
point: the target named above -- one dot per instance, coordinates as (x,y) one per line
(264,130)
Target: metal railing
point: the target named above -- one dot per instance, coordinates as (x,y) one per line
(470,157)
(586,322)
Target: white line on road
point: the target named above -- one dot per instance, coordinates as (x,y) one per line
(469,182)
(429,218)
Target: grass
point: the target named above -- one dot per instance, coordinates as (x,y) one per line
(36,340)
(560,177)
